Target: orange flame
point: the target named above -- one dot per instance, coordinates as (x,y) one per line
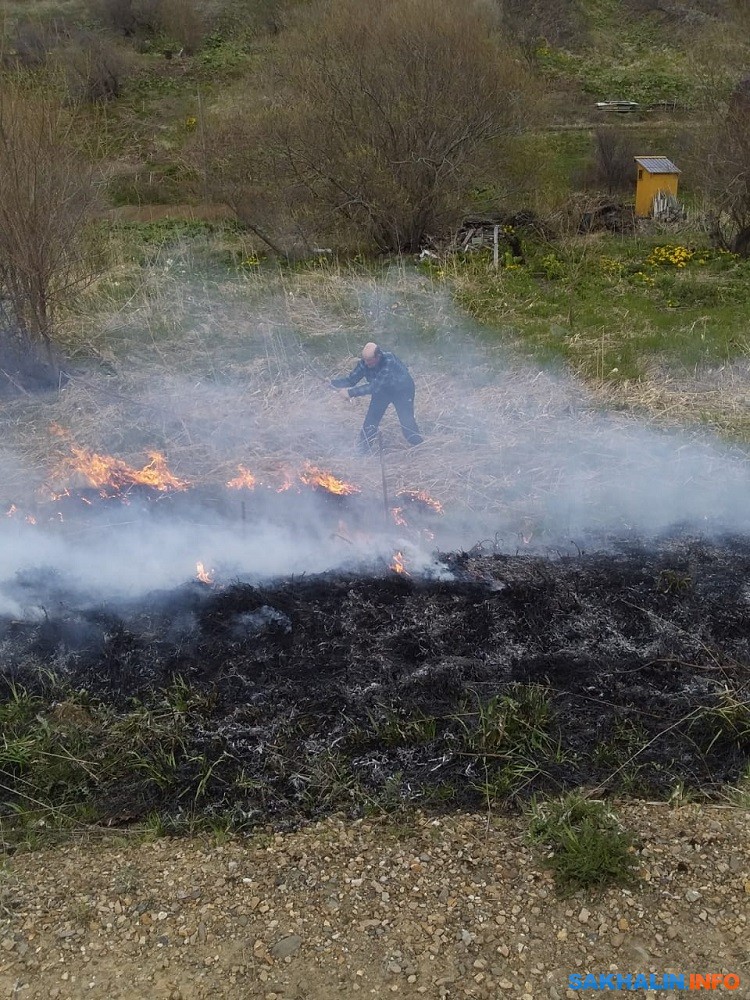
(398,565)
(311,475)
(244,480)
(288,482)
(13,511)
(107,473)
(204,575)
(398,516)
(112,474)
(419,496)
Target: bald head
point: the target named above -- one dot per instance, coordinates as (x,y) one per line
(371,355)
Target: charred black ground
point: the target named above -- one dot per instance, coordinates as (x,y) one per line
(628,671)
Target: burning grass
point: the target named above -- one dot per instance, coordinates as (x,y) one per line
(246,700)
(218,373)
(498,458)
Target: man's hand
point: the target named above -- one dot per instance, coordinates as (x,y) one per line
(344,393)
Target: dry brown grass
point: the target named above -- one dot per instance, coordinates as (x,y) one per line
(220,377)
(221,374)
(718,397)
(273,425)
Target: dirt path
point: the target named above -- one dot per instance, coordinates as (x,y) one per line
(455,907)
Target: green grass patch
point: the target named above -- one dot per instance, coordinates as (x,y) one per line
(583,842)
(508,740)
(71,762)
(609,308)
(221,245)
(726,723)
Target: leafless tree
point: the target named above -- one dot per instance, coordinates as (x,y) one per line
(557,22)
(94,68)
(128,17)
(186,22)
(612,166)
(31,42)
(727,165)
(47,193)
(383,112)
(87,62)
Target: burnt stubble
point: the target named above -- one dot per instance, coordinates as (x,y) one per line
(624,670)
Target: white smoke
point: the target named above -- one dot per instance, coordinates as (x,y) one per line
(521,458)
(104,562)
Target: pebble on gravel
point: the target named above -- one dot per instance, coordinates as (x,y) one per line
(451,907)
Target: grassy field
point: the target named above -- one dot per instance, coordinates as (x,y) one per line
(653,324)
(613,306)
(645,325)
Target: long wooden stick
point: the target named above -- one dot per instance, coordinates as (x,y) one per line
(385,481)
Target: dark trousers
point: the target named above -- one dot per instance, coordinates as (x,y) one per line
(404,404)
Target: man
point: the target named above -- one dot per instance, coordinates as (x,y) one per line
(387,381)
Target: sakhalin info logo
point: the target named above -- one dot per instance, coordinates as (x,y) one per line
(654,981)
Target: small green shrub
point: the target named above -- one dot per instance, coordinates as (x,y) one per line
(584,842)
(508,739)
(397,728)
(727,721)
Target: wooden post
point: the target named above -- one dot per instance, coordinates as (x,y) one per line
(386,512)
(496,247)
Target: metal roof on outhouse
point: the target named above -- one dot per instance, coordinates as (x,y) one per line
(657,165)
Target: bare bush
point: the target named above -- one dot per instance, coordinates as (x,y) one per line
(47,193)
(726,155)
(612,166)
(261,16)
(385,111)
(238,169)
(184,22)
(95,69)
(128,17)
(33,42)
(557,22)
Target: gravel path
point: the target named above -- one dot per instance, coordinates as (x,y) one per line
(449,907)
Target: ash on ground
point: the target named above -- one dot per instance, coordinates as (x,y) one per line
(626,671)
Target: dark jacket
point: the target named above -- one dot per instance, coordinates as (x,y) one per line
(391,377)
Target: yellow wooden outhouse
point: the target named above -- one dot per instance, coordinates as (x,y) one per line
(655,174)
